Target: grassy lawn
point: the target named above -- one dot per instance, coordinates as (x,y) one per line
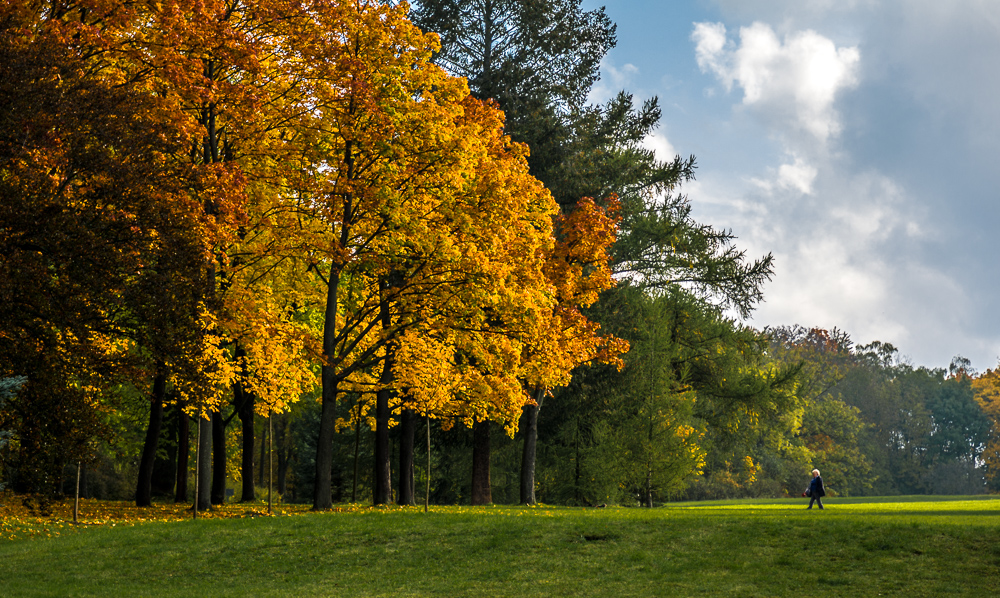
(909,546)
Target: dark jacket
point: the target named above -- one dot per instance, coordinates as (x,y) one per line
(816,487)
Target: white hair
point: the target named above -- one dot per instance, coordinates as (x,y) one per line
(816,471)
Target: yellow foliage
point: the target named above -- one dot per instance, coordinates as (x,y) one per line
(987,392)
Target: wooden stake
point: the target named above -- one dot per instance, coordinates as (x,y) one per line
(270,461)
(427,493)
(76,503)
(197,467)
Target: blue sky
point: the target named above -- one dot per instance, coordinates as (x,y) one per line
(856,140)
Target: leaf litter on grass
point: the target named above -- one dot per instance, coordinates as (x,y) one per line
(21,517)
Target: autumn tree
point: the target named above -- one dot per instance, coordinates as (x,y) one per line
(214,89)
(579,269)
(87,150)
(987,393)
(405,182)
(225,70)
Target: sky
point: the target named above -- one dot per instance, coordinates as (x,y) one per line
(858,141)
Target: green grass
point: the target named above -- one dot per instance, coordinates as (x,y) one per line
(909,546)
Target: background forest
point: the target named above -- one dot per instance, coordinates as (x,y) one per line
(310,240)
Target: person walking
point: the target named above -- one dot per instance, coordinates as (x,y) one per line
(816,490)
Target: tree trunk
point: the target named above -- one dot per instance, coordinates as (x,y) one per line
(427,488)
(382,490)
(323,486)
(143,491)
(529,423)
(357,450)
(204,497)
(165,469)
(407,432)
(246,412)
(482,493)
(218,459)
(183,450)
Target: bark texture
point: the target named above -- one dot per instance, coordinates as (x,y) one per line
(218,459)
(144,491)
(246,406)
(183,452)
(407,433)
(382,489)
(204,497)
(482,493)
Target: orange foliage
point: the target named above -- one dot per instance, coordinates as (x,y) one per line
(318,138)
(987,392)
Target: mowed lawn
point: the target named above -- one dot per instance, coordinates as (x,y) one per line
(912,546)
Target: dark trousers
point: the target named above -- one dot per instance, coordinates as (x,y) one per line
(818,500)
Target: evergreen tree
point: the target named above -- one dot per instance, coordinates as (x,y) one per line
(539,60)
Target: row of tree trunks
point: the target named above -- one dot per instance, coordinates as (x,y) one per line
(165,464)
(323,486)
(382,489)
(244,402)
(481,452)
(169,476)
(179,429)
(282,453)
(214,469)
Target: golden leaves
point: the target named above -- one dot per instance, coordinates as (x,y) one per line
(21,518)
(320,156)
(987,393)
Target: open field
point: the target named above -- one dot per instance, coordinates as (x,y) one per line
(900,546)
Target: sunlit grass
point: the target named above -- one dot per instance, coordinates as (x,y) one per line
(909,546)
(19,520)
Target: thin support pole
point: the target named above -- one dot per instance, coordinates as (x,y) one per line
(197,468)
(427,493)
(270,461)
(76,503)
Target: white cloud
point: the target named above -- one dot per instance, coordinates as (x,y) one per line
(877,196)
(791,83)
(843,254)
(798,176)
(661,146)
(710,49)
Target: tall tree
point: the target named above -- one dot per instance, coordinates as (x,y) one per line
(517,51)
(987,393)
(88,147)
(410,180)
